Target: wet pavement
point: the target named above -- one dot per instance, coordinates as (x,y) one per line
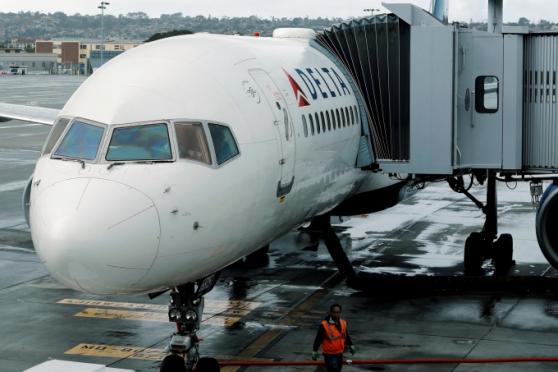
(270,309)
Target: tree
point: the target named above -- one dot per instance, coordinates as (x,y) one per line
(523,21)
(544,25)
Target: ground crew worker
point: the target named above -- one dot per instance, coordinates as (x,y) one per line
(333,336)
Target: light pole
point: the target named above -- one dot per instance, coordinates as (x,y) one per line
(371,10)
(103,6)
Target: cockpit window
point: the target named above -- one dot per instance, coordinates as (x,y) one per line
(55,134)
(81,141)
(143,142)
(192,143)
(224,143)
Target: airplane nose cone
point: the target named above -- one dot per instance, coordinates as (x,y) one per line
(95,235)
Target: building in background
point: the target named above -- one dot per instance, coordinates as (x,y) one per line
(82,56)
(34,63)
(23,43)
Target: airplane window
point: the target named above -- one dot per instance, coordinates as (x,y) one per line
(304,126)
(323,121)
(347,116)
(338,118)
(81,141)
(352,115)
(55,134)
(143,142)
(356,115)
(311,124)
(317,117)
(192,143)
(343,117)
(328,121)
(223,140)
(333,121)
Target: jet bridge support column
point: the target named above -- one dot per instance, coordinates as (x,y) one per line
(490,229)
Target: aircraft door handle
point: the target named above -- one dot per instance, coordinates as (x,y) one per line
(473,106)
(282,162)
(275,122)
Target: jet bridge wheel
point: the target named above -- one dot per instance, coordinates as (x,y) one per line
(473,255)
(503,254)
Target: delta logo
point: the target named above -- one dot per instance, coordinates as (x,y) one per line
(320,83)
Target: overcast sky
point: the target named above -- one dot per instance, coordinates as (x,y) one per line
(459,9)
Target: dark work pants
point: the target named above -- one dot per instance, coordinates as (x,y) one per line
(333,362)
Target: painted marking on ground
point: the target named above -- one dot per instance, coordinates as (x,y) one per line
(254,348)
(112,351)
(211,307)
(306,305)
(150,316)
(131,352)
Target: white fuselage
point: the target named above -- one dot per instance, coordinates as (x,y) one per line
(138,227)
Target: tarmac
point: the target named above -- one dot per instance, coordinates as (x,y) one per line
(413,300)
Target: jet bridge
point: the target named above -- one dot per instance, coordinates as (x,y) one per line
(443,101)
(444,98)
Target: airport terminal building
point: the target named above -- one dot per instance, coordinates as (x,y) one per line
(82,56)
(32,62)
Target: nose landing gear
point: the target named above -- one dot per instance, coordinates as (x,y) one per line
(186,310)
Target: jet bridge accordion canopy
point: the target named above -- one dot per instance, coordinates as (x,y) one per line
(376,51)
(540,106)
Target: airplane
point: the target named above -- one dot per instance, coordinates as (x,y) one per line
(183,155)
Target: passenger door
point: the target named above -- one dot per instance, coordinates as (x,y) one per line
(283,124)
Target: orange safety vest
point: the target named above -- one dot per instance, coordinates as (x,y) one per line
(334,341)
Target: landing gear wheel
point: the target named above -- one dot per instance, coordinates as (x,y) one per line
(473,254)
(503,254)
(186,309)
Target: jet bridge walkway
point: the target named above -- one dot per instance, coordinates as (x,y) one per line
(376,52)
(442,99)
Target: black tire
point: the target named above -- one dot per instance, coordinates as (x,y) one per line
(503,255)
(472,260)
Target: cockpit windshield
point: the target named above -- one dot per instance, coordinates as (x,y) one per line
(80,142)
(144,142)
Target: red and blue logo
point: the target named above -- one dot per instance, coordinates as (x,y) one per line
(323,83)
(300,96)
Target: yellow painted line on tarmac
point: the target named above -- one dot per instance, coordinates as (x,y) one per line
(119,305)
(258,345)
(254,348)
(268,337)
(132,352)
(149,316)
(211,307)
(112,351)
